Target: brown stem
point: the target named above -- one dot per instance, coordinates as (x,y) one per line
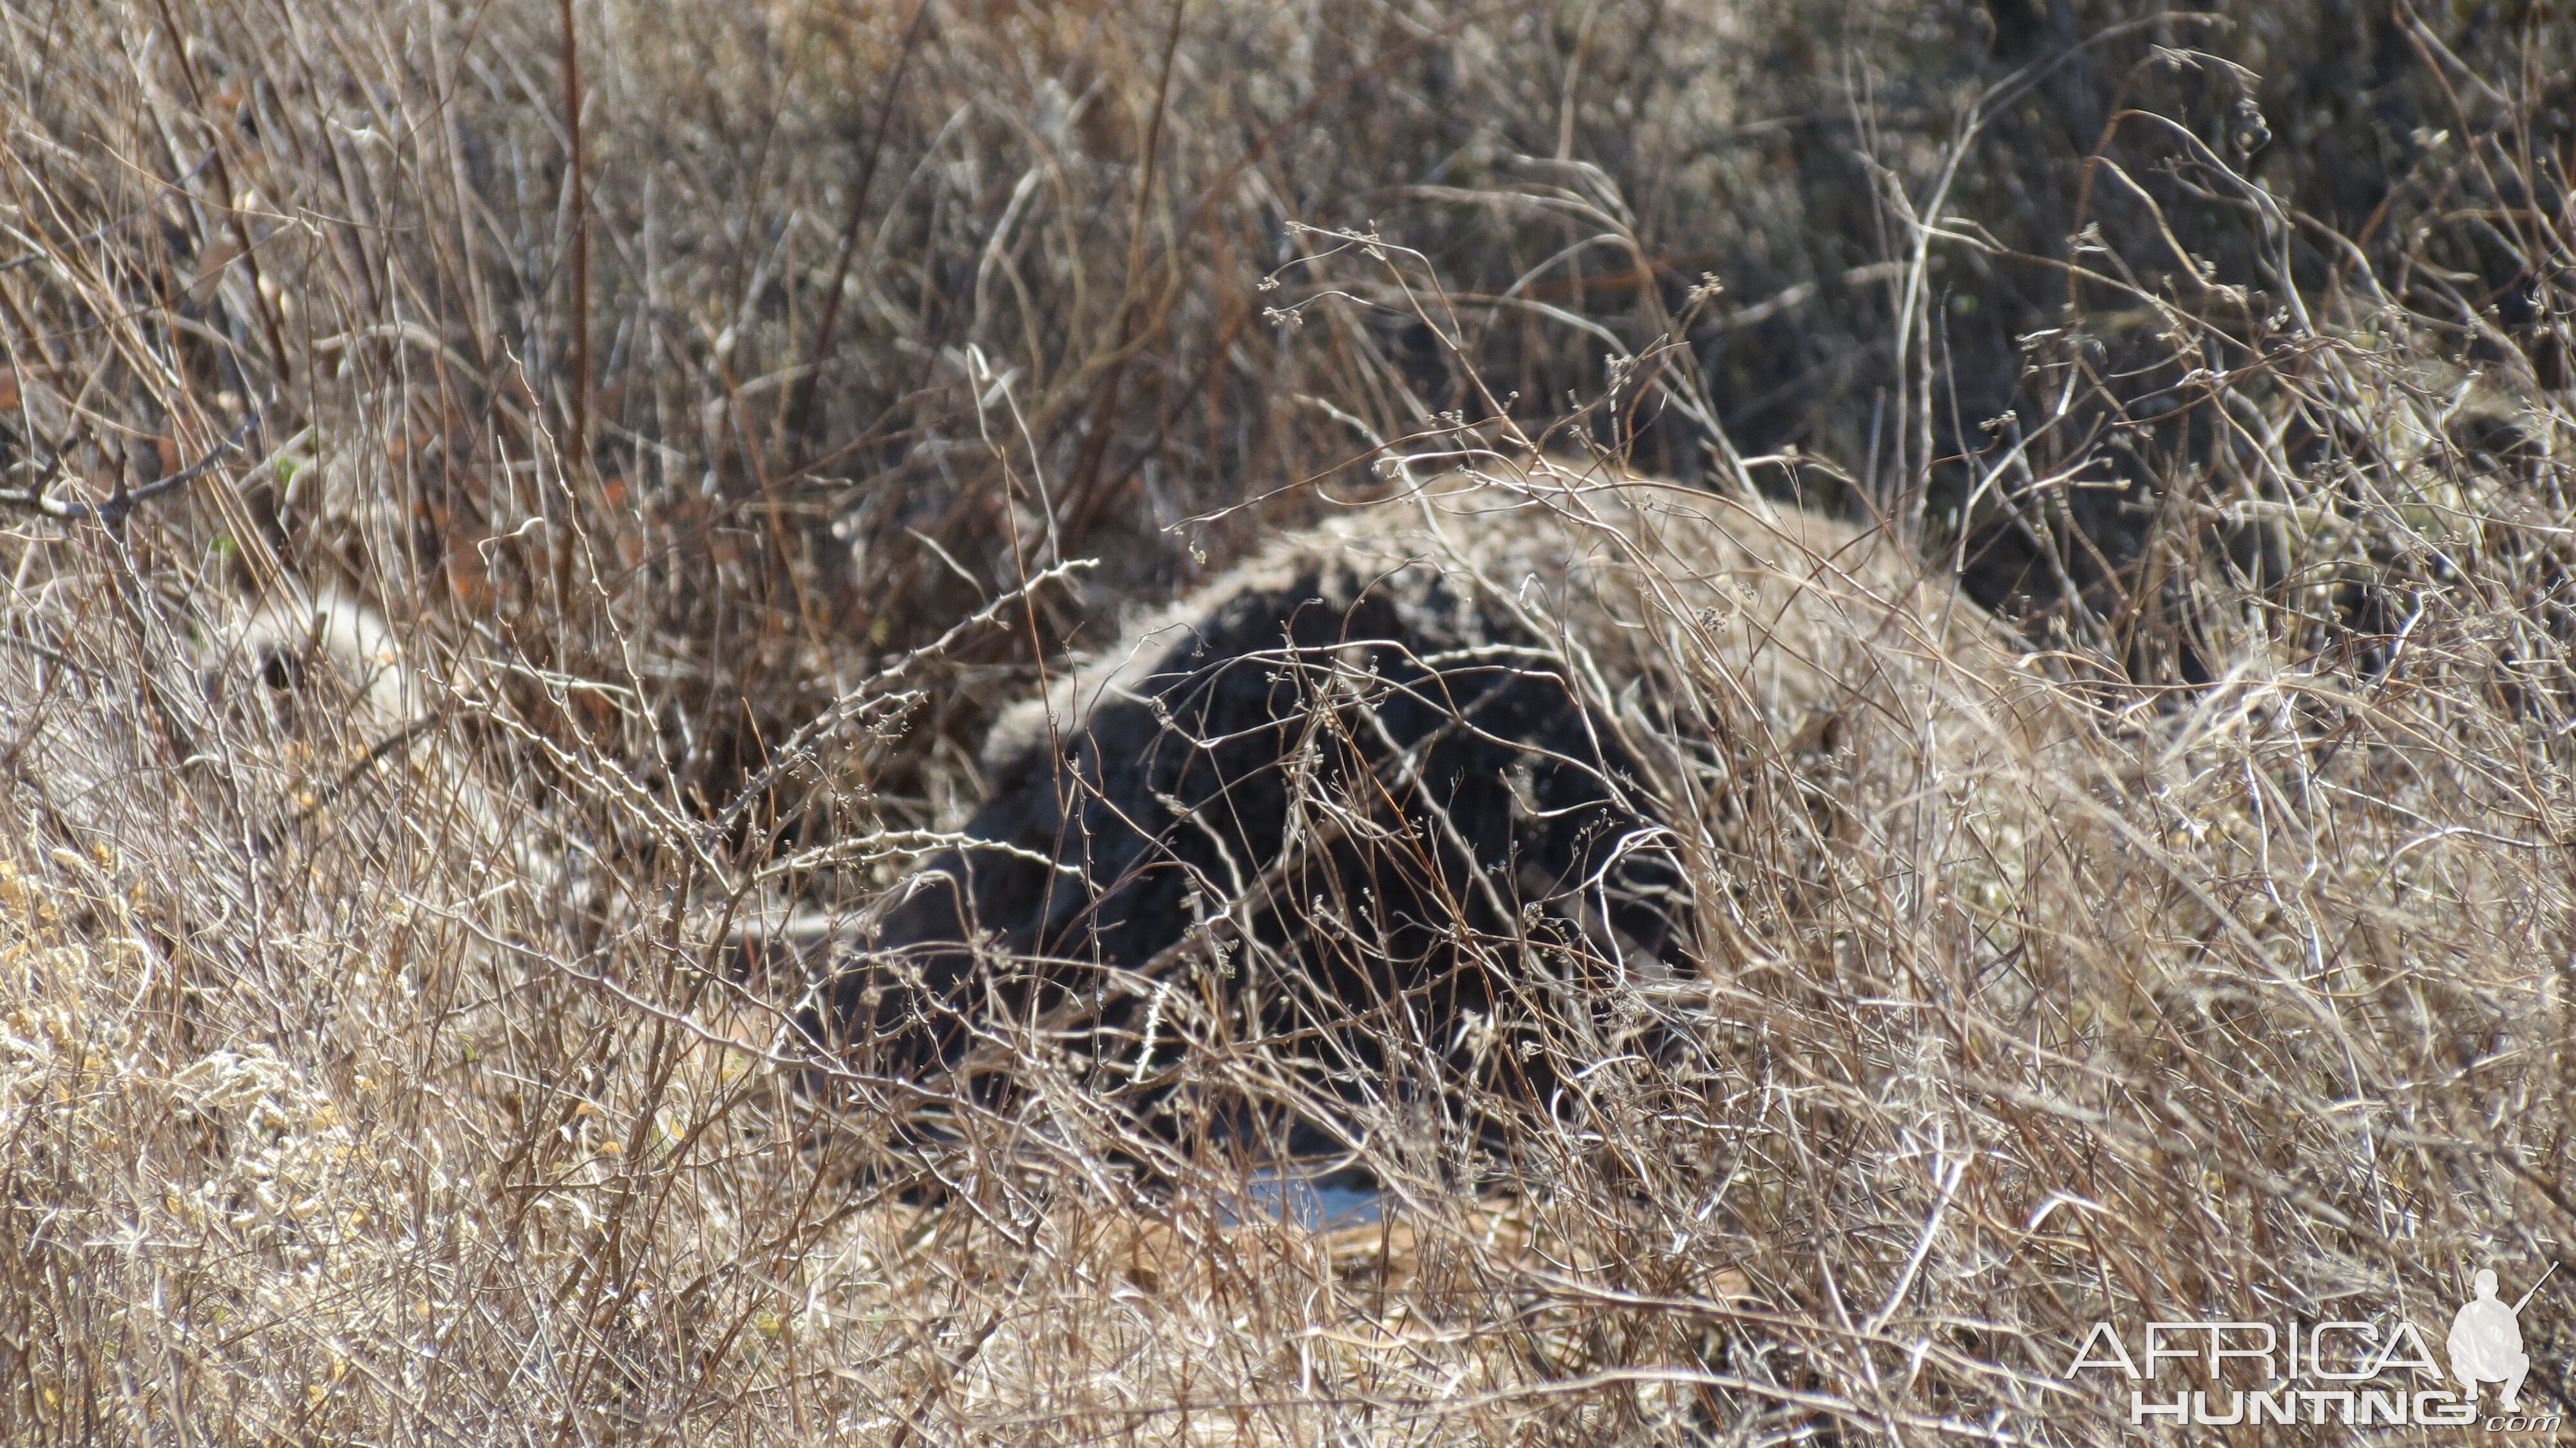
(1083,496)
(227,203)
(571,54)
(800,402)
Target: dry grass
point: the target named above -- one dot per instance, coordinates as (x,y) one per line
(367,1068)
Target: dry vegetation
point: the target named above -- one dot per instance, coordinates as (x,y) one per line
(368,1070)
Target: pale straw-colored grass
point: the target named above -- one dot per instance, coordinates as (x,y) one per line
(371,1068)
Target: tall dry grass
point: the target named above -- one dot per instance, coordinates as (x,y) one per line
(371,1067)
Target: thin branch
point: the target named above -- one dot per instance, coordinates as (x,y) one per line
(87,238)
(398,742)
(571,65)
(857,701)
(800,398)
(1083,488)
(124,500)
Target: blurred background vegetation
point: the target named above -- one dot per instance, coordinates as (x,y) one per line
(858,309)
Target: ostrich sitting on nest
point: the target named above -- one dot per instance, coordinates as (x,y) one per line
(1418,806)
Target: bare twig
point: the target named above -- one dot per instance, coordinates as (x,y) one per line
(578,178)
(114,508)
(102,233)
(800,397)
(868,694)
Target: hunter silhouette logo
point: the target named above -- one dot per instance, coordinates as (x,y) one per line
(2355,1373)
(2486,1341)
